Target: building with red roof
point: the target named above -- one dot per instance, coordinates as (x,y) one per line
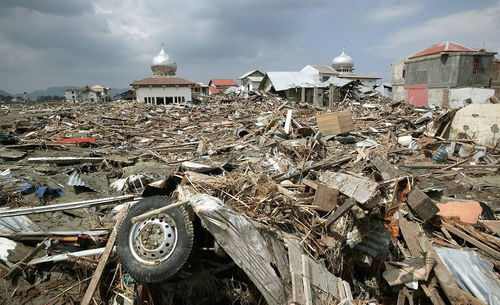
(220,85)
(427,76)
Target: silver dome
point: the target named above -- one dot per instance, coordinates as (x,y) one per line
(163,64)
(343,61)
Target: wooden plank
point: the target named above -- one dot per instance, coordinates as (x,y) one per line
(344,208)
(335,123)
(453,292)
(411,231)
(387,170)
(422,204)
(87,298)
(492,225)
(325,198)
(363,190)
(471,240)
(288,121)
(294,258)
(65,160)
(305,279)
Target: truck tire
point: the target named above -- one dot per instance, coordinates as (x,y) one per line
(155,249)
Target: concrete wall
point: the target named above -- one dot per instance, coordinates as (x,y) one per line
(479,122)
(397,73)
(434,71)
(449,70)
(143,93)
(479,79)
(398,93)
(457,98)
(435,96)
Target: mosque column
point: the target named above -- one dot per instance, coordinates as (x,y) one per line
(302,94)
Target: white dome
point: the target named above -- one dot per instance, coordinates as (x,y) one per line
(342,62)
(163,64)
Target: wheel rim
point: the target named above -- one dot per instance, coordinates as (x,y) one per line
(153,240)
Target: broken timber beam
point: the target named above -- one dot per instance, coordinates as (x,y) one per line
(471,240)
(418,244)
(65,160)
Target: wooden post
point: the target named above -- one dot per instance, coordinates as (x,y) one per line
(87,298)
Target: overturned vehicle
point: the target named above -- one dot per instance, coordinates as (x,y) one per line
(201,251)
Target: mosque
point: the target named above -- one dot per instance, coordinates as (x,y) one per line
(164,87)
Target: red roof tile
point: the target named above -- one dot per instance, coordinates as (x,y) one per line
(223,82)
(167,81)
(446,46)
(213,90)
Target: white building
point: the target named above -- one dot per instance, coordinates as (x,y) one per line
(95,93)
(251,80)
(164,87)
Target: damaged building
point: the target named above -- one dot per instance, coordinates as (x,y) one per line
(447,75)
(314,83)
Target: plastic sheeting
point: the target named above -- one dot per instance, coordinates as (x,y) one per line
(472,273)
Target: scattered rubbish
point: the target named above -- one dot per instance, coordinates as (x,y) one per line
(247,197)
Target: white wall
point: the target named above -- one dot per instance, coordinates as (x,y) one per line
(71,96)
(153,92)
(457,97)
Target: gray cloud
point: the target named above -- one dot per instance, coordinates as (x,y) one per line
(111,42)
(55,7)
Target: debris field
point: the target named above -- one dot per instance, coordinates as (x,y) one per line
(371,202)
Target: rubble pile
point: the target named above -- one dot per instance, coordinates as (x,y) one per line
(380,212)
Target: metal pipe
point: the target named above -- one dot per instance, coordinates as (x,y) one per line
(64,206)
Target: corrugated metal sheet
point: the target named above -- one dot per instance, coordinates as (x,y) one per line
(75,180)
(293,79)
(17,224)
(338,82)
(472,273)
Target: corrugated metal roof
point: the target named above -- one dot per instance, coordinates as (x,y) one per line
(338,82)
(293,79)
(325,69)
(250,73)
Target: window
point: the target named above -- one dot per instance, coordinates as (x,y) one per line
(404,73)
(475,64)
(145,100)
(183,100)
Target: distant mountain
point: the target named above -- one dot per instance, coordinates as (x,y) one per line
(114,91)
(59,91)
(4,93)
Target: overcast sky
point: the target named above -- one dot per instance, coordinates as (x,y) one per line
(47,43)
